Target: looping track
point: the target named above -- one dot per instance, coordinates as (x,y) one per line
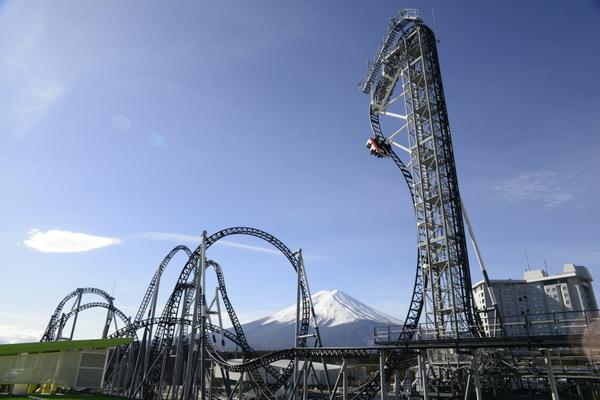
(49,334)
(164,336)
(180,301)
(125,319)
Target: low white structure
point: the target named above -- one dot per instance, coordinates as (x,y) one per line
(43,367)
(280,365)
(319,370)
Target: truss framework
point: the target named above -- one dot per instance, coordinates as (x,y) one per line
(420,130)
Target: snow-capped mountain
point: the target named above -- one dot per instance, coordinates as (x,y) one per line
(342,320)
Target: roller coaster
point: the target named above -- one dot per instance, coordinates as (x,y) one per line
(441,351)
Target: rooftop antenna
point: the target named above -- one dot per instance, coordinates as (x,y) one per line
(527,258)
(546,265)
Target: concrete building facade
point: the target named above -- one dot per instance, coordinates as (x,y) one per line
(537,299)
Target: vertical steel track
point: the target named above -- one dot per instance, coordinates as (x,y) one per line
(408,64)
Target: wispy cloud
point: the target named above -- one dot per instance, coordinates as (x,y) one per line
(178,237)
(58,241)
(16,334)
(548,188)
(183,238)
(32,85)
(33,102)
(247,247)
(169,237)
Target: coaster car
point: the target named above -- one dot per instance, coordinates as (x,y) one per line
(378,146)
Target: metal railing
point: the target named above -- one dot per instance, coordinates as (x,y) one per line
(546,324)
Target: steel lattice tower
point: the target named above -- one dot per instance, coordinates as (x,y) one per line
(408,63)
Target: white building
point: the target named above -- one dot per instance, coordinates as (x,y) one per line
(538,293)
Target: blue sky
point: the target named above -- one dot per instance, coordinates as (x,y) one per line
(147,123)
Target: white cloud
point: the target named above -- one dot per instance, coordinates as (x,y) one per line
(548,188)
(57,241)
(15,334)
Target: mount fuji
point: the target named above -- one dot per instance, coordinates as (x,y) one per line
(342,320)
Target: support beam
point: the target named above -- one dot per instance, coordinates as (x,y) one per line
(202,315)
(477,383)
(337,380)
(177,381)
(395,115)
(486,277)
(109,318)
(196,342)
(422,364)
(551,380)
(304,379)
(473,378)
(468,387)
(75,307)
(241,388)
(382,374)
(344,381)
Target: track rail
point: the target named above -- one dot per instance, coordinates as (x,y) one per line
(164,335)
(50,332)
(125,319)
(131,328)
(153,286)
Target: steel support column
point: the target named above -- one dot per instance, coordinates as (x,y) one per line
(551,380)
(422,365)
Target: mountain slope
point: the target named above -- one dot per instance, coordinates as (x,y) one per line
(342,320)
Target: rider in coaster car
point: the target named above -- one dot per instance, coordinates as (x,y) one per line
(378,146)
